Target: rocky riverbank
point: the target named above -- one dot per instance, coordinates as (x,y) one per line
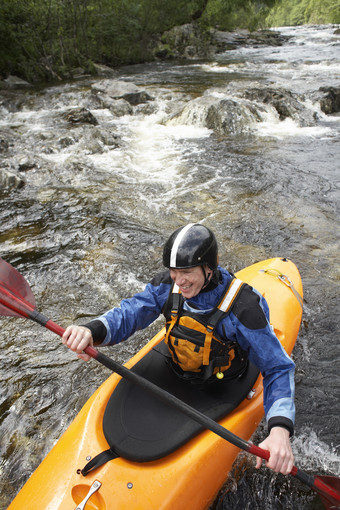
(191,42)
(187,41)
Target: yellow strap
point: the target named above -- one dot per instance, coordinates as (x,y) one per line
(225,304)
(172,323)
(207,345)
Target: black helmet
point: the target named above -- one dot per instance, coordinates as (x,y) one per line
(189,246)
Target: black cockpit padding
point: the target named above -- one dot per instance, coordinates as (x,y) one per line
(139,427)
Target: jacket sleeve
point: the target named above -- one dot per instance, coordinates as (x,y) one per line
(250,328)
(133,314)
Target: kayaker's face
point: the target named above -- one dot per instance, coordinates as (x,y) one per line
(190,280)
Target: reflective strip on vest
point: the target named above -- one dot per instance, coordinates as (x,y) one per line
(231,295)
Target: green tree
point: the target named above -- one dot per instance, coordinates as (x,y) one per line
(44,39)
(299,12)
(232,14)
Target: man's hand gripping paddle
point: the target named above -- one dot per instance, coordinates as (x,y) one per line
(16,299)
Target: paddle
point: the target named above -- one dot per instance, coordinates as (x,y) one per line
(16,299)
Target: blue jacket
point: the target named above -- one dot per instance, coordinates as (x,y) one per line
(247,323)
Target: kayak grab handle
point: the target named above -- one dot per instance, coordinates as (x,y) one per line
(94,488)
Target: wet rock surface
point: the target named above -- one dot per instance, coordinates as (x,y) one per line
(330,99)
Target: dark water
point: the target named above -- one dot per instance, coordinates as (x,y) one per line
(87,229)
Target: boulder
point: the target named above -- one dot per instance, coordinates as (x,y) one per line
(80,116)
(10,180)
(14,82)
(229,116)
(118,89)
(285,103)
(26,163)
(225,41)
(223,116)
(97,140)
(103,70)
(118,107)
(5,141)
(330,102)
(78,163)
(188,41)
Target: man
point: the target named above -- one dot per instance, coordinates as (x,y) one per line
(214,324)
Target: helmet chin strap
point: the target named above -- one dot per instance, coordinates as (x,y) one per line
(207,278)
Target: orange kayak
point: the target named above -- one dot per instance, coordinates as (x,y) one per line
(160,460)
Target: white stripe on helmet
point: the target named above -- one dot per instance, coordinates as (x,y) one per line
(177,242)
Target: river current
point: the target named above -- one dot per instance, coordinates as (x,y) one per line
(91,203)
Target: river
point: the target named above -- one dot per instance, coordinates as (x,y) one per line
(239,142)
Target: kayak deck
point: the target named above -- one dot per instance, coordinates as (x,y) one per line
(188,476)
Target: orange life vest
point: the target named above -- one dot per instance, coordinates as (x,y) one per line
(197,351)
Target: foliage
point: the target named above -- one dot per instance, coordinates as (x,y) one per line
(47,39)
(231,14)
(300,12)
(52,36)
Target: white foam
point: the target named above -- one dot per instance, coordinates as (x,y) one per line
(312,453)
(289,128)
(216,68)
(152,148)
(188,132)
